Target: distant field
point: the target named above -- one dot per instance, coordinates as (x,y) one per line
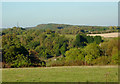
(106,35)
(62,74)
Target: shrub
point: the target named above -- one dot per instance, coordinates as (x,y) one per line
(58,63)
(43,63)
(103,60)
(21,61)
(74,63)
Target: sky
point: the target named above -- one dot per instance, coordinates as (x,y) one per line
(29,14)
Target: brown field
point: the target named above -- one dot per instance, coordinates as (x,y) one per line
(105,35)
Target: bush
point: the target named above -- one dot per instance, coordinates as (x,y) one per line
(21,61)
(103,60)
(65,63)
(4,65)
(43,63)
(74,63)
(57,63)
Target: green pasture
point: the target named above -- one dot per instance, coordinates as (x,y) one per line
(61,74)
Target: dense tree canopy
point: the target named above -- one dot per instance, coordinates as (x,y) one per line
(92,52)
(67,44)
(74,54)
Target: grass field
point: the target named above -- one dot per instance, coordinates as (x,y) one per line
(61,74)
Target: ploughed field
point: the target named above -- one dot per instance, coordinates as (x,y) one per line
(61,74)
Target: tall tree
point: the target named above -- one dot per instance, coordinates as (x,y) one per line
(92,52)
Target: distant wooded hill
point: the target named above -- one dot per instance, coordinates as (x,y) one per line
(68,29)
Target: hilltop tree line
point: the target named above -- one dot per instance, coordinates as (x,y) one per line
(36,48)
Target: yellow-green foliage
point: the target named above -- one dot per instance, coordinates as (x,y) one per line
(74,54)
(92,52)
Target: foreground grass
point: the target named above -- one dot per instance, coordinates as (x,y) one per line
(61,74)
